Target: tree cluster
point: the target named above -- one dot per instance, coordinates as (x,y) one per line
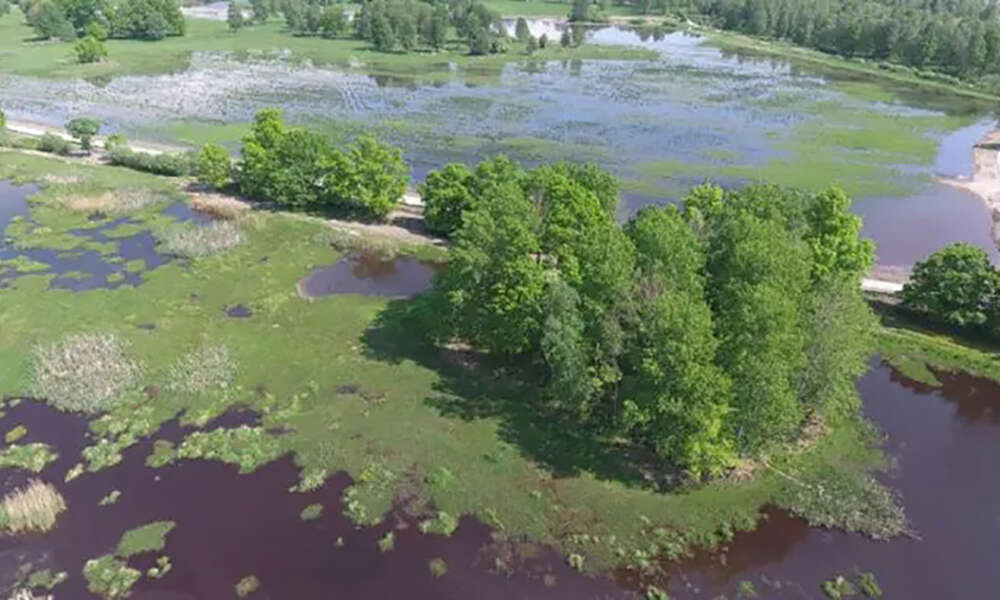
(302,170)
(960,38)
(313,18)
(404,25)
(701,333)
(99,19)
(956,286)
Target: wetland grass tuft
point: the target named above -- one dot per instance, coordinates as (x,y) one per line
(34,507)
(84,372)
(193,241)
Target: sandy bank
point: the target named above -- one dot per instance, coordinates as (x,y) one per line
(985,179)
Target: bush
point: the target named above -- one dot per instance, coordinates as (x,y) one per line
(84,130)
(956,285)
(90,50)
(171,164)
(51,142)
(215,166)
(84,372)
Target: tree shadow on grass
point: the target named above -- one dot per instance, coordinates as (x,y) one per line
(475,386)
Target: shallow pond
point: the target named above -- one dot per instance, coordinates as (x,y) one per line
(693,113)
(370,275)
(946,444)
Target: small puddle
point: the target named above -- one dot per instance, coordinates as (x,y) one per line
(370,275)
(183,213)
(239,311)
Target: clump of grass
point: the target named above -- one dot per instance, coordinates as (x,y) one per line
(869,585)
(575,561)
(163,454)
(193,241)
(838,588)
(438,567)
(119,202)
(110,499)
(311,512)
(30,457)
(246,447)
(747,589)
(47,578)
(109,577)
(149,537)
(84,372)
(444,524)
(34,507)
(220,207)
(348,240)
(205,369)
(387,542)
(247,586)
(161,569)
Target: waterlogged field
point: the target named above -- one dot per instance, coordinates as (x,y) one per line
(663,111)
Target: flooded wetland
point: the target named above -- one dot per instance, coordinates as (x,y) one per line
(250,412)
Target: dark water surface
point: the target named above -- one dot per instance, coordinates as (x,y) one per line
(370,275)
(946,444)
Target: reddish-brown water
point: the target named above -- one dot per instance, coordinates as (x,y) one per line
(370,275)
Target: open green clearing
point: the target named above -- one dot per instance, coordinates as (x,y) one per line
(468,434)
(22,54)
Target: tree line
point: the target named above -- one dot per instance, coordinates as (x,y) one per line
(959,38)
(702,333)
(68,20)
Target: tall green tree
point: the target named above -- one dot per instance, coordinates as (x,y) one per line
(446,195)
(956,285)
(234,17)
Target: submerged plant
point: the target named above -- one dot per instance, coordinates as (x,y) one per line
(34,507)
(194,241)
(84,372)
(109,577)
(30,457)
(247,586)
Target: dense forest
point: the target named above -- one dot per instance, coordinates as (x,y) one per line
(100,19)
(703,334)
(958,38)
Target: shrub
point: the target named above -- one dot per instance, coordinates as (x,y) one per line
(194,241)
(51,142)
(109,577)
(115,140)
(215,167)
(84,372)
(205,369)
(177,164)
(90,50)
(96,30)
(31,508)
(84,130)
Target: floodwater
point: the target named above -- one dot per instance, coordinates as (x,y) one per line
(84,269)
(945,443)
(230,526)
(946,446)
(370,275)
(693,105)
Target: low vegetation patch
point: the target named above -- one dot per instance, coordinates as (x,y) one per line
(209,368)
(163,454)
(220,207)
(15,434)
(47,579)
(193,241)
(161,569)
(30,457)
(438,567)
(311,512)
(148,538)
(246,447)
(34,507)
(110,577)
(117,202)
(84,372)
(247,586)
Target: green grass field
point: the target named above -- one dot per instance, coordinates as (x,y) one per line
(23,54)
(472,435)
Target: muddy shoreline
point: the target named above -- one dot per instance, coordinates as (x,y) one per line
(985,179)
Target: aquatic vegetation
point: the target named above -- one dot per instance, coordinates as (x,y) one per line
(245,447)
(838,588)
(438,567)
(367,500)
(74,472)
(47,578)
(246,586)
(219,206)
(163,454)
(146,538)
(110,498)
(115,203)
(26,594)
(161,569)
(34,507)
(30,457)
(310,478)
(311,512)
(209,368)
(575,560)
(193,241)
(443,524)
(387,542)
(15,434)
(655,593)
(109,577)
(869,585)
(84,372)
